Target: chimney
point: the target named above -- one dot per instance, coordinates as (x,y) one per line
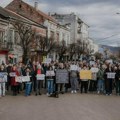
(36,5)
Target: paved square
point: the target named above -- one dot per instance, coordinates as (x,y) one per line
(67,107)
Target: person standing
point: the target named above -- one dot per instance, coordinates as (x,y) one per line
(100,76)
(117,81)
(108,81)
(4,80)
(74,78)
(14,84)
(84,82)
(28,85)
(50,80)
(93,82)
(39,82)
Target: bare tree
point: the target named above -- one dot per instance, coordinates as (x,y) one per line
(27,35)
(44,45)
(61,49)
(72,50)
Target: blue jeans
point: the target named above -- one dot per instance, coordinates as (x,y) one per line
(28,88)
(74,83)
(101,85)
(50,86)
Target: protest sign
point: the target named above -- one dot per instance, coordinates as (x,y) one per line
(47,60)
(94,70)
(85,74)
(110,75)
(12,74)
(25,78)
(74,67)
(92,63)
(62,76)
(3,77)
(40,77)
(21,79)
(50,73)
(3,74)
(18,79)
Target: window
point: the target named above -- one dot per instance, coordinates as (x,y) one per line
(57,37)
(16,38)
(2,35)
(51,34)
(11,36)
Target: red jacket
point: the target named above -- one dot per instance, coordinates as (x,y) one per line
(13,81)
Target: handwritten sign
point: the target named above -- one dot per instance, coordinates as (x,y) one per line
(12,74)
(110,75)
(85,74)
(62,76)
(40,77)
(74,67)
(21,79)
(3,77)
(50,73)
(94,70)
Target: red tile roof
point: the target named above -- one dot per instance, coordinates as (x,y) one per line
(38,12)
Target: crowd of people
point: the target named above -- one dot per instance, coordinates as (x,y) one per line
(100,83)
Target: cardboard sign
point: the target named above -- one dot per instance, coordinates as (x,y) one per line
(12,74)
(94,70)
(21,79)
(111,75)
(40,77)
(62,76)
(50,73)
(85,74)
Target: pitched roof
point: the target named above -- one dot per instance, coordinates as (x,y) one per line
(14,16)
(34,10)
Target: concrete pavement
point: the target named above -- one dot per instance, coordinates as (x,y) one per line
(66,107)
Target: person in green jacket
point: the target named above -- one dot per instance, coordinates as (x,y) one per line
(100,77)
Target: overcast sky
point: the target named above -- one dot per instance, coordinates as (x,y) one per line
(100,15)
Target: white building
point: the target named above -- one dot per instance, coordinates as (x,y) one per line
(78,29)
(59,33)
(92,46)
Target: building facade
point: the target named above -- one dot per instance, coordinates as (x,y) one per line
(78,29)
(10,47)
(54,29)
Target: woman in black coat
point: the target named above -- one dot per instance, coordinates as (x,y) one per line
(117,81)
(108,81)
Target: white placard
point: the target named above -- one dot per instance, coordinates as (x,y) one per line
(74,67)
(94,70)
(92,63)
(111,75)
(48,60)
(12,74)
(50,73)
(40,77)
(25,78)
(21,79)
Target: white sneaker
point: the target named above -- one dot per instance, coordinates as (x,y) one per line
(47,94)
(75,91)
(98,92)
(72,92)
